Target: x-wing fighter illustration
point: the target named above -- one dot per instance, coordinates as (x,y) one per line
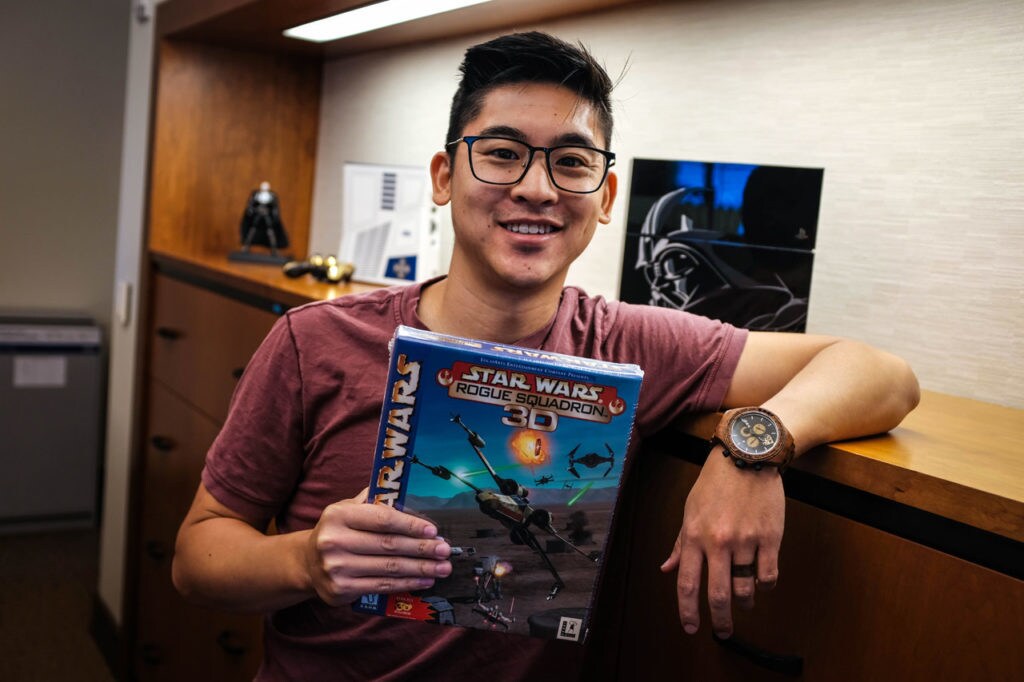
(510,506)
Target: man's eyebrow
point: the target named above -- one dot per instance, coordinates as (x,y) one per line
(517,134)
(505,131)
(574,138)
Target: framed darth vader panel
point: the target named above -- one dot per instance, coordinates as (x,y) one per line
(730,241)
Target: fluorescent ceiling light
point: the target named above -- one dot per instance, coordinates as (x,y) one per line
(372,17)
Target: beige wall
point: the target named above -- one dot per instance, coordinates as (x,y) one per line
(61,122)
(913,108)
(61,112)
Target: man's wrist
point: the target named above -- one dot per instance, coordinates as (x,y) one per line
(755,438)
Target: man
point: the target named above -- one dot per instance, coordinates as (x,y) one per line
(526,172)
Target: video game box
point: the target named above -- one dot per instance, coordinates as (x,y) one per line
(517,456)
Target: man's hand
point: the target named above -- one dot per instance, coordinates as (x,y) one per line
(732,518)
(359,548)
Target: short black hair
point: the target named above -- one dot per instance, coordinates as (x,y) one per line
(532,57)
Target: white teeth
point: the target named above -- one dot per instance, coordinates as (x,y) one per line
(522,228)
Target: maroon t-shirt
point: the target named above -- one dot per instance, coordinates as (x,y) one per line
(301,432)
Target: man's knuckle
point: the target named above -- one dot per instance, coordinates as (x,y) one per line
(690,535)
(748,537)
(337,568)
(380,515)
(718,599)
(687,587)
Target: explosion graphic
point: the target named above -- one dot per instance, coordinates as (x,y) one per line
(530,447)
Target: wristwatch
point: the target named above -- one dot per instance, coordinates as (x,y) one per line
(755,437)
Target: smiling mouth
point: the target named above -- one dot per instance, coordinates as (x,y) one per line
(527,228)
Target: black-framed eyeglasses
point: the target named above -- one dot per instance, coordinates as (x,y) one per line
(504,161)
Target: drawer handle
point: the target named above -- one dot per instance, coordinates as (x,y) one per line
(156,550)
(237,372)
(231,642)
(781,663)
(162,443)
(168,333)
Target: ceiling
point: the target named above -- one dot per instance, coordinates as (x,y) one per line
(258,24)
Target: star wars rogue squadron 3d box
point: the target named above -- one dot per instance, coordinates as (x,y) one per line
(516,455)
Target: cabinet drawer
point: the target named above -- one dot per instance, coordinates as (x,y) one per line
(201,342)
(176,440)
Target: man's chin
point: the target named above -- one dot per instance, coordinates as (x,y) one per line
(526,280)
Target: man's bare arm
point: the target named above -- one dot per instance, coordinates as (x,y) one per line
(823,389)
(225,560)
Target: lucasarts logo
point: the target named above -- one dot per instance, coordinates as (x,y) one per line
(569,628)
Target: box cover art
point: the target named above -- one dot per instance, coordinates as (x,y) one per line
(516,455)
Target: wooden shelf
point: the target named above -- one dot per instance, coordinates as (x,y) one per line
(263,281)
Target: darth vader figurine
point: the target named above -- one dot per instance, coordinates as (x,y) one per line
(261,226)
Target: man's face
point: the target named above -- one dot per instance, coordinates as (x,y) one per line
(522,236)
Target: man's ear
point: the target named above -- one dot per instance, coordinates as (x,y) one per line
(441,178)
(610,188)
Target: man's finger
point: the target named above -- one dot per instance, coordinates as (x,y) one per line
(380,518)
(691,564)
(743,571)
(370,543)
(383,567)
(720,594)
(673,559)
(767,567)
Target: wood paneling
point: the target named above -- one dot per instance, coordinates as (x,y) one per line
(227,120)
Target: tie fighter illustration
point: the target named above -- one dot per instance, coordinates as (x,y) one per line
(591,460)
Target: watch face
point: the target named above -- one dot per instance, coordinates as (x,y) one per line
(754,434)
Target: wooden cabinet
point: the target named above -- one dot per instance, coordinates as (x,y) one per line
(199,344)
(853,603)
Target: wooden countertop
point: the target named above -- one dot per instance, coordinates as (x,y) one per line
(951,456)
(257,279)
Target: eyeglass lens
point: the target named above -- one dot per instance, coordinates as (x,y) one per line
(504,162)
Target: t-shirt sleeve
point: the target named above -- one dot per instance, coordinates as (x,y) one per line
(688,360)
(257,457)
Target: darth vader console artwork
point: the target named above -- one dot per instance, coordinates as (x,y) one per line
(729,241)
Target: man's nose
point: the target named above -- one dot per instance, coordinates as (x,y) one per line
(536,184)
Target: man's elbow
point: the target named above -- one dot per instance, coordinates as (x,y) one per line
(906,391)
(182,574)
